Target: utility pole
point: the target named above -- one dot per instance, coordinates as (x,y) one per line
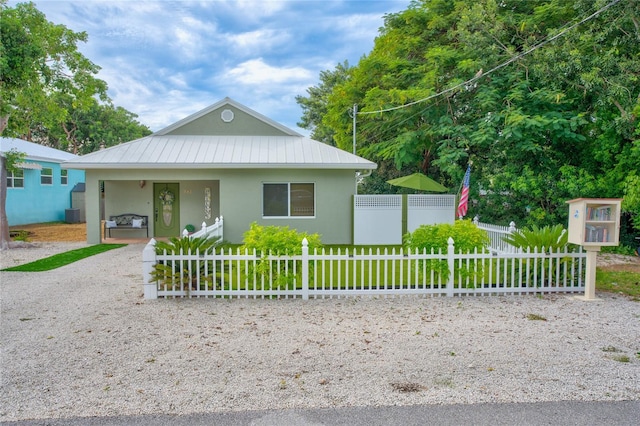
(355,112)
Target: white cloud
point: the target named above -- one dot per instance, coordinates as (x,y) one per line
(257,72)
(258,41)
(251,11)
(164,60)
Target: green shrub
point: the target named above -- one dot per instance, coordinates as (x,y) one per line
(19,235)
(277,240)
(547,237)
(466,236)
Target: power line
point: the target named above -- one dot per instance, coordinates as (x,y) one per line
(479,75)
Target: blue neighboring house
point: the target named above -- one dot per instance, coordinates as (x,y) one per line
(40,191)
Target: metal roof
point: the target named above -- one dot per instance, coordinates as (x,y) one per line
(34,151)
(221,152)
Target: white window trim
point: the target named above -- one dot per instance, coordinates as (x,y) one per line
(13,180)
(42,175)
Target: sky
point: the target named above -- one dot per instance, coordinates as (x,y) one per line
(165,60)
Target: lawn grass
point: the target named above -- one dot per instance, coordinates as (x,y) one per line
(62,259)
(624,282)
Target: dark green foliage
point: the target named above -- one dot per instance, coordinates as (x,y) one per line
(558,123)
(50,93)
(314,106)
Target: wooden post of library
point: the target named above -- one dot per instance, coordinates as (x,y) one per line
(593,223)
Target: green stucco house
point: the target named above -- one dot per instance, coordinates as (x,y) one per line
(225,160)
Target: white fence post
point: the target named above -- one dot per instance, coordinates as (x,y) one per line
(451,249)
(148,262)
(305,269)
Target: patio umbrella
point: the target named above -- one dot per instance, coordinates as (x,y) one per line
(418,181)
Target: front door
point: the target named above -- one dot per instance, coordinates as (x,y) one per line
(166,209)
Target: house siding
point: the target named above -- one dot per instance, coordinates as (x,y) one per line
(242,124)
(333,193)
(37,203)
(235,194)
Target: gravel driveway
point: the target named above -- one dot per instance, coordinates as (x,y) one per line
(81,341)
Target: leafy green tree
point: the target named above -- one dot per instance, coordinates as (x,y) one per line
(49,92)
(101,125)
(314,106)
(39,64)
(540,96)
(42,71)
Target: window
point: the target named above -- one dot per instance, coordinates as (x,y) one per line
(46,176)
(288,199)
(15,179)
(64,177)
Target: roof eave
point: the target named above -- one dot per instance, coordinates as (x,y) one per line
(178,166)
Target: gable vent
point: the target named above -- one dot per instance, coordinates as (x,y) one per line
(227,116)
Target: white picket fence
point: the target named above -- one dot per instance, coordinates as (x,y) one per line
(215,230)
(220,273)
(496,235)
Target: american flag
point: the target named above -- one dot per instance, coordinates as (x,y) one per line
(463,204)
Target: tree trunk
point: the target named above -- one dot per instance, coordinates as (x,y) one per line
(4,222)
(4,120)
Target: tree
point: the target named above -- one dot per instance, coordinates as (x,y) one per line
(8,162)
(99,126)
(314,106)
(40,64)
(480,81)
(41,73)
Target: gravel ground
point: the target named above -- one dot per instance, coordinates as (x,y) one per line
(81,341)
